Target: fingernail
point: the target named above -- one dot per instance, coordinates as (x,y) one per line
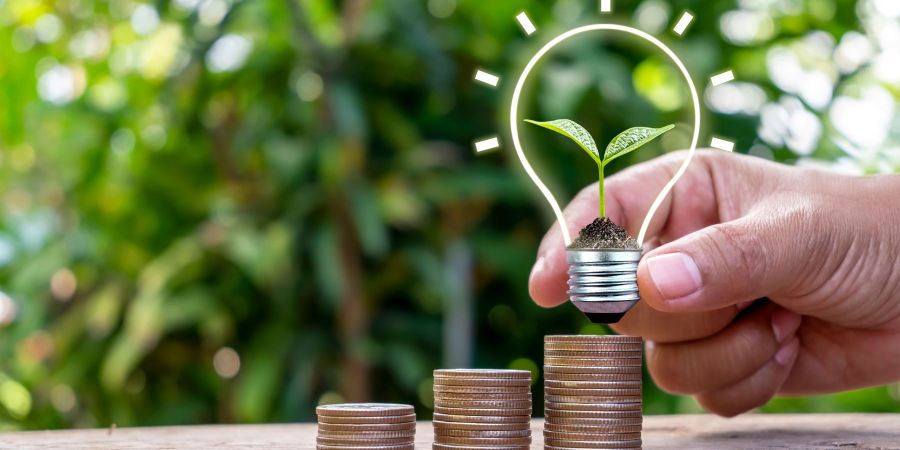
(784,324)
(675,275)
(788,352)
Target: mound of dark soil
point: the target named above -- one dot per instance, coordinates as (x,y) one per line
(603,233)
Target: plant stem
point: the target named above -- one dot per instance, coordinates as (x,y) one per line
(602,200)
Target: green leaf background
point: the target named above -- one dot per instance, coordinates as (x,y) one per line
(293,181)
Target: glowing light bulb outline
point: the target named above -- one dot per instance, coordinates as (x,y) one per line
(514,126)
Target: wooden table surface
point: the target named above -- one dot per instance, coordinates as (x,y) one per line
(809,431)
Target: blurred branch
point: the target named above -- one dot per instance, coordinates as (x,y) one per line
(304,38)
(354,11)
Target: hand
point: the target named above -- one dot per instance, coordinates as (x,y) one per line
(759,279)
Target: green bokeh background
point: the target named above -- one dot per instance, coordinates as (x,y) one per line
(291,184)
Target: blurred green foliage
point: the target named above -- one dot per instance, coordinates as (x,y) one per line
(229,211)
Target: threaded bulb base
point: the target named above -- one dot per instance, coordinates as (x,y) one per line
(603,283)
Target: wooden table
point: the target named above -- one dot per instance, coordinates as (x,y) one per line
(811,431)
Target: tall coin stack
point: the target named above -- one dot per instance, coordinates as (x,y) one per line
(366,425)
(482,409)
(592,392)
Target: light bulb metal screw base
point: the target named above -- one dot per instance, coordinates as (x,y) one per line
(603,282)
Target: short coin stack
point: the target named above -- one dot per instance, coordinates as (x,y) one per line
(366,426)
(592,392)
(482,409)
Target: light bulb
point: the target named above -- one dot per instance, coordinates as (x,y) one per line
(602,283)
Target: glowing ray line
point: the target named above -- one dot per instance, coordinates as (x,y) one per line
(487,78)
(606,6)
(722,78)
(526,23)
(487,144)
(514,125)
(683,23)
(722,144)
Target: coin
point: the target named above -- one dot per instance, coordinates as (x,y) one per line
(483,412)
(482,389)
(628,406)
(441,396)
(592,347)
(484,404)
(519,419)
(594,422)
(474,441)
(593,376)
(482,433)
(364,409)
(575,446)
(366,419)
(362,441)
(560,415)
(584,399)
(591,362)
(482,373)
(468,381)
(587,352)
(567,435)
(439,446)
(601,429)
(367,426)
(373,435)
(592,339)
(608,369)
(591,392)
(410,446)
(571,384)
(552,443)
(440,424)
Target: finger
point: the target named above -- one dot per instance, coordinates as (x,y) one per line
(755,390)
(725,264)
(716,362)
(629,195)
(837,358)
(662,327)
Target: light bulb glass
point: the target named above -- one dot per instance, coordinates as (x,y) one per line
(514,120)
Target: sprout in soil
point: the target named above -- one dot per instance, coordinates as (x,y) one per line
(626,142)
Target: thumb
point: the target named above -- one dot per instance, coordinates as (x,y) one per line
(723,264)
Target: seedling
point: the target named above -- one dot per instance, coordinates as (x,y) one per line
(623,144)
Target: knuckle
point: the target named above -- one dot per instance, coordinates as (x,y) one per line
(736,247)
(725,409)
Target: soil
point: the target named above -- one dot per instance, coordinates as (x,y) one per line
(603,233)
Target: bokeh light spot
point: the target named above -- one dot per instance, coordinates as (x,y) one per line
(226,362)
(228,53)
(63,398)
(8,309)
(659,83)
(63,285)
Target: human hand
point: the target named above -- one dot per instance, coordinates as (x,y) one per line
(758,279)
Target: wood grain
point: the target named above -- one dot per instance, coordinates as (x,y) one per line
(750,431)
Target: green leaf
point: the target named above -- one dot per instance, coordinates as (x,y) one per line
(631,140)
(574,132)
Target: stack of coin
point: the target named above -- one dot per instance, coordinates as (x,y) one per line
(592,392)
(482,409)
(366,425)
